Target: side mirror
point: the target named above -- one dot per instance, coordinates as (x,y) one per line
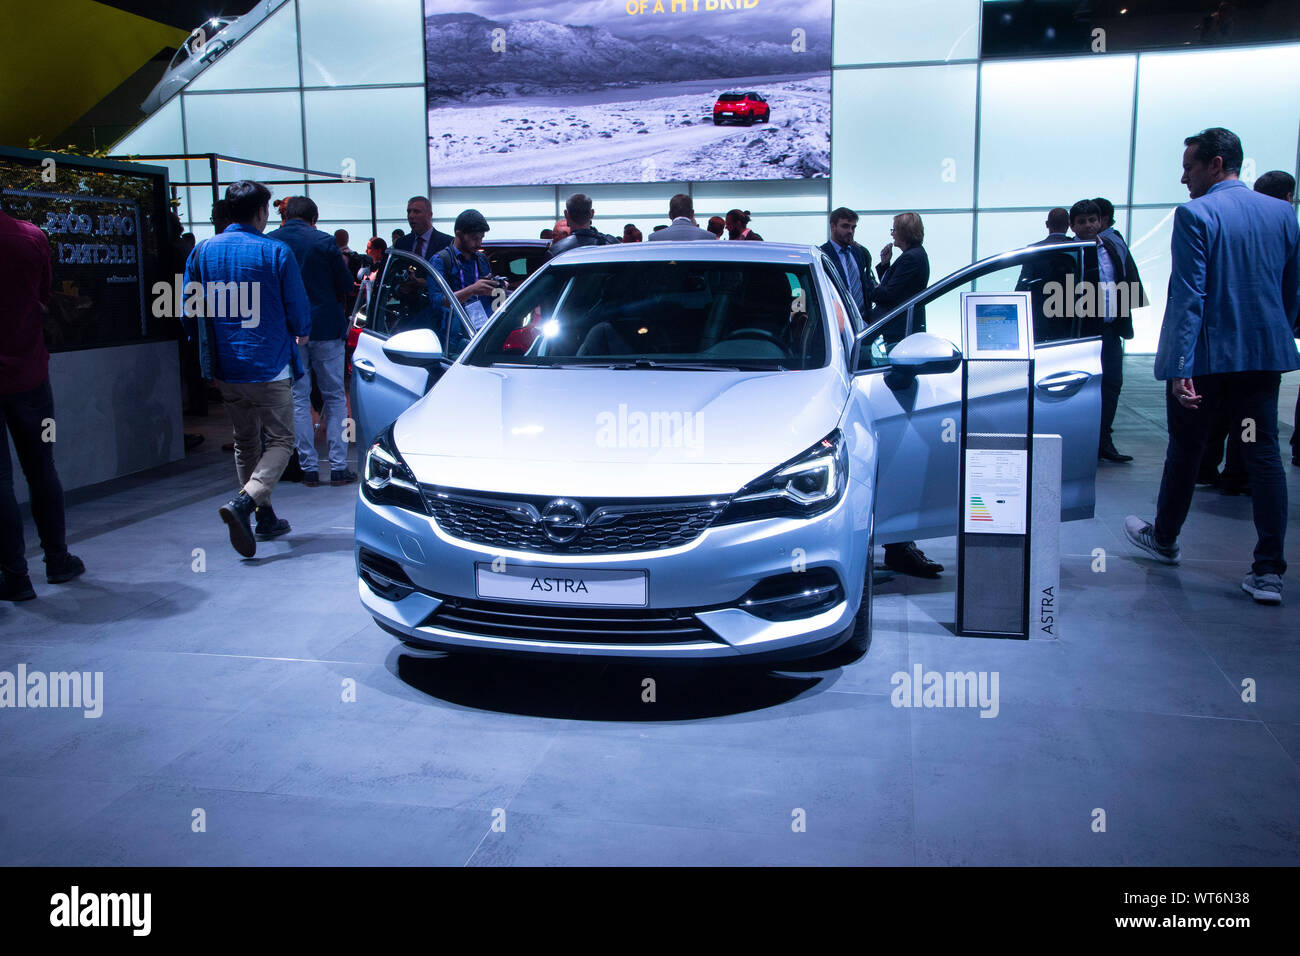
(920,354)
(416,347)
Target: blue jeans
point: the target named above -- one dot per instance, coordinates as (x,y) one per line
(325,360)
(22,415)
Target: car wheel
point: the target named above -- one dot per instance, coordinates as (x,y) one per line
(749,121)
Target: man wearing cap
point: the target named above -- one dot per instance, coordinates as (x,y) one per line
(466,267)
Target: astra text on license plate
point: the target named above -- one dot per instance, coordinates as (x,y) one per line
(541,585)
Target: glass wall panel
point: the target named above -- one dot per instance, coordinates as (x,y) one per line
(796,196)
(160,134)
(1003,231)
(904,138)
(883,31)
(1149,241)
(380,42)
(1253,92)
(494,203)
(265,57)
(615,200)
(377,133)
(259,126)
(1054,131)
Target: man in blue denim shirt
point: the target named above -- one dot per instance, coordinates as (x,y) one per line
(253,306)
(1234,296)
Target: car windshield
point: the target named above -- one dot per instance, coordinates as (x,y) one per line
(731,96)
(638,314)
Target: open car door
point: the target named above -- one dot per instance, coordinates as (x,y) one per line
(918,417)
(408,295)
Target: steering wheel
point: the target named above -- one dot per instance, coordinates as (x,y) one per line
(761,334)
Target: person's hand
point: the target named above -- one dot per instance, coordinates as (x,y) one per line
(886,254)
(302,339)
(483,286)
(1185,392)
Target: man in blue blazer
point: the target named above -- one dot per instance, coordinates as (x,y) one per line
(1234,297)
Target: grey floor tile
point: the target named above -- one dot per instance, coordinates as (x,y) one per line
(153,825)
(1175,790)
(531,839)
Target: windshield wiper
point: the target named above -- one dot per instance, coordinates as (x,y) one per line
(674,366)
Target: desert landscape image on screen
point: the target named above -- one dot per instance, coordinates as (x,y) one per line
(522,92)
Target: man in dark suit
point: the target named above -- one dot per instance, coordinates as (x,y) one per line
(1227,338)
(851,261)
(1048,275)
(904,278)
(327,282)
(424,240)
(1110,290)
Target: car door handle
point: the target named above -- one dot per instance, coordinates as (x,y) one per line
(1063,383)
(365,368)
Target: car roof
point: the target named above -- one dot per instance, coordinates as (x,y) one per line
(517,243)
(695,251)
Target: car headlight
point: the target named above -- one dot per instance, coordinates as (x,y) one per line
(807,485)
(387,479)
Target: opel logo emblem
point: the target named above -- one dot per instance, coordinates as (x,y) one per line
(563,519)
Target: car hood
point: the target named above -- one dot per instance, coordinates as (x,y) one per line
(632,433)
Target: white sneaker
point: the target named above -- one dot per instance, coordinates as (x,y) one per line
(1143,535)
(1264,588)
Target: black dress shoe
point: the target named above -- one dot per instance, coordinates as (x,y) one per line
(16,587)
(909,559)
(63,568)
(236,513)
(1111,453)
(268,525)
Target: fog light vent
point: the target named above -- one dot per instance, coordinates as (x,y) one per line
(384,576)
(785,597)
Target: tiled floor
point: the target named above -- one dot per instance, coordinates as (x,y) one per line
(224,693)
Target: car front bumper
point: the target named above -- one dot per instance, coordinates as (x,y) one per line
(704,578)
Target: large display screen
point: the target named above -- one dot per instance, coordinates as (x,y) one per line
(107,239)
(521,92)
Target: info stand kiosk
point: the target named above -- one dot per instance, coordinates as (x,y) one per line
(999,454)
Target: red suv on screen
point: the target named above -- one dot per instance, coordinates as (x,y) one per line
(747,108)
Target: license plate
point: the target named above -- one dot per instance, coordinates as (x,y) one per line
(582,586)
(727,113)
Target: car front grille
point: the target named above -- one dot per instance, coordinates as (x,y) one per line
(610,527)
(569,624)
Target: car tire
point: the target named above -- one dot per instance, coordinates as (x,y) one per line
(749,121)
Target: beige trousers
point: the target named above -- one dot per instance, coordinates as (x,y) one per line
(256,407)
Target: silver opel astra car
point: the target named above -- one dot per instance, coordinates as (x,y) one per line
(669,451)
